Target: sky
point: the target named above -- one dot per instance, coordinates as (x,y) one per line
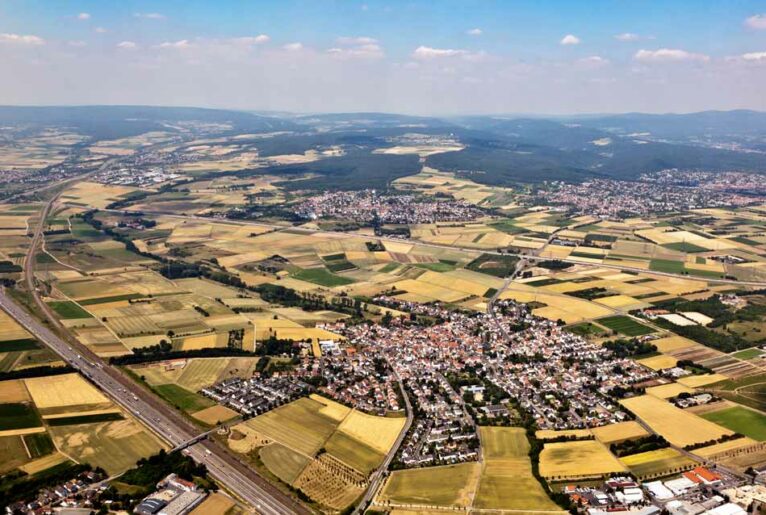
(438,57)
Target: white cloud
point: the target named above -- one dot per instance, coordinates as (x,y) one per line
(149,16)
(77,43)
(83,16)
(22,39)
(627,36)
(293,47)
(755,56)
(260,39)
(369,51)
(100,30)
(668,55)
(570,39)
(475,32)
(360,40)
(179,45)
(427,52)
(757,21)
(593,60)
(127,45)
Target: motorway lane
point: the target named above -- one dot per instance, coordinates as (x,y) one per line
(239,478)
(156,419)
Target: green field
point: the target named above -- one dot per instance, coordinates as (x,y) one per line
(39,444)
(667,265)
(683,246)
(183,398)
(506,462)
(322,277)
(625,325)
(508,226)
(741,420)
(442,486)
(67,309)
(586,329)
(743,354)
(83,419)
(113,298)
(282,462)
(437,267)
(18,416)
(389,267)
(749,391)
(21,344)
(490,264)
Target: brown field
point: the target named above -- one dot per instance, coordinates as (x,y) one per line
(13,391)
(216,504)
(215,415)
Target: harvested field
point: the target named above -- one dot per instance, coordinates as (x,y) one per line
(199,373)
(619,432)
(666,391)
(299,426)
(282,462)
(114,446)
(452,485)
(577,459)
(506,462)
(354,452)
(216,504)
(63,391)
(660,362)
(44,463)
(380,433)
(13,391)
(677,426)
(215,415)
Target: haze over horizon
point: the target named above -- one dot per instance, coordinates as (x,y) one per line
(457,57)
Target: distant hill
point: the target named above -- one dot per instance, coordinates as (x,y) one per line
(110,122)
(504,150)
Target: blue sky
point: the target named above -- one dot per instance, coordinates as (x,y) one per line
(435,57)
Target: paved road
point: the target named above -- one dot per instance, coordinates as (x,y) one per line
(757,284)
(165,422)
(379,476)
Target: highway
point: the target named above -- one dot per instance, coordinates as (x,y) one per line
(235,475)
(160,419)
